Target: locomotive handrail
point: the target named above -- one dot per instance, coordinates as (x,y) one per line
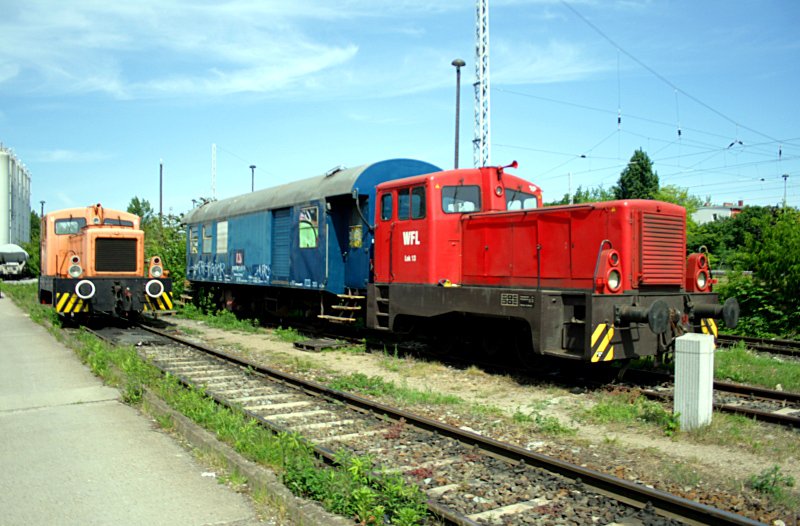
(370,227)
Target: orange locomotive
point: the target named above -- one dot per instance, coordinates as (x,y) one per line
(93,262)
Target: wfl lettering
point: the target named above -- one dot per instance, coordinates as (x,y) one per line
(411,237)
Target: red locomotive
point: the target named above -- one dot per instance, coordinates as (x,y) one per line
(472,255)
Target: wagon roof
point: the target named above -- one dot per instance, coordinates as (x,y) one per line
(334,182)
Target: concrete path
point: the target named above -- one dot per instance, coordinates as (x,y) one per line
(72,453)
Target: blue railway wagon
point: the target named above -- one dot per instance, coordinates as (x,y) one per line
(313,234)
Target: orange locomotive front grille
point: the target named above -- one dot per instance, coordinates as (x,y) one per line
(663,250)
(115,254)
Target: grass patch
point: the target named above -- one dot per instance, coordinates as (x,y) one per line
(377,386)
(738,431)
(221,319)
(289,335)
(631,408)
(544,424)
(773,483)
(680,473)
(406,365)
(741,365)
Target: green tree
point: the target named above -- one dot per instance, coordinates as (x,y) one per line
(587,195)
(717,237)
(33,266)
(771,250)
(142,208)
(637,180)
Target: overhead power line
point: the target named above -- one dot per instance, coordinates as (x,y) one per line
(661,77)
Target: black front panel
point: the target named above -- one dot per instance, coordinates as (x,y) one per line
(115,255)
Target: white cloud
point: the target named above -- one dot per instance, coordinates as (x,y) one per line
(156,49)
(149,48)
(526,63)
(67,156)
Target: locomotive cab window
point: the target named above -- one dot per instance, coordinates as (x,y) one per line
(70,226)
(117,222)
(411,203)
(519,200)
(386,207)
(308,227)
(461,199)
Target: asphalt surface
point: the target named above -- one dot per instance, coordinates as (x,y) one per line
(72,453)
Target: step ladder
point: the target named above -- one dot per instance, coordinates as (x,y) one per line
(345,311)
(382,307)
(186,295)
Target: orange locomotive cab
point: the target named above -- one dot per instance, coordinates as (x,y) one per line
(92,260)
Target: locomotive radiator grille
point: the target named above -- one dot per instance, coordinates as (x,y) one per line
(663,250)
(115,254)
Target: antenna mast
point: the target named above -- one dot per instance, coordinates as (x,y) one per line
(481,153)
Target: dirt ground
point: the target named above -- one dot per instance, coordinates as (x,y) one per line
(635,453)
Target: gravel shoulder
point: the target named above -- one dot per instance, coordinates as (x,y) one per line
(638,453)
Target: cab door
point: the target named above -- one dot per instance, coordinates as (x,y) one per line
(409,239)
(383,237)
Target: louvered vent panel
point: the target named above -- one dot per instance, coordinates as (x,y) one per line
(115,255)
(663,250)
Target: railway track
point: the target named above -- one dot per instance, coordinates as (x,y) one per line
(469,479)
(767,345)
(762,404)
(766,405)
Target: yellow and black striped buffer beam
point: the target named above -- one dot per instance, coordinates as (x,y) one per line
(709,326)
(602,350)
(163,302)
(69,302)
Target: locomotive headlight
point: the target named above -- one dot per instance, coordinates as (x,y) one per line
(85,289)
(154,288)
(702,280)
(75,271)
(614,280)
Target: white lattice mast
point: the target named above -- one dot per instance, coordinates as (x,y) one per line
(214,170)
(481,151)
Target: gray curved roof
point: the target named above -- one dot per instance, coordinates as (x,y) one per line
(10,253)
(332,183)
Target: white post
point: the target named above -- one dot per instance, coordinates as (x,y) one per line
(694,380)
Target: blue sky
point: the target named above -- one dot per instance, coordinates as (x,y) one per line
(94,94)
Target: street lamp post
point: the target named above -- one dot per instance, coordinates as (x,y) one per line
(42,214)
(785,177)
(252,177)
(458,63)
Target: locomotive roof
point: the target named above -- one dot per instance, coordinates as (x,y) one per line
(334,182)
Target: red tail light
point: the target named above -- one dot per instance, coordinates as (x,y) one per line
(608,278)
(698,275)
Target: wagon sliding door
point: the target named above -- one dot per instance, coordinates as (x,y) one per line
(281,236)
